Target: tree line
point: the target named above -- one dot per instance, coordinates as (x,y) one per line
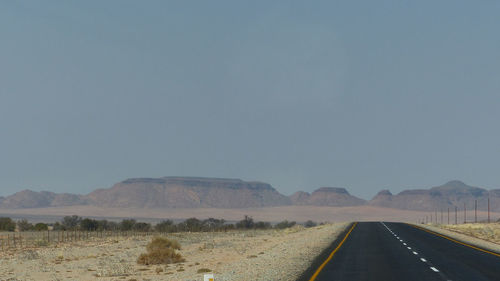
(73,223)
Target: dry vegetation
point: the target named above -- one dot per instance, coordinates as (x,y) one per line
(161,251)
(272,254)
(489,232)
(483,235)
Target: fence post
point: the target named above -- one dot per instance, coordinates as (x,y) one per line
(465,213)
(475,211)
(488,209)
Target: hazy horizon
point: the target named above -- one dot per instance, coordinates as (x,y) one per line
(363,95)
(280,191)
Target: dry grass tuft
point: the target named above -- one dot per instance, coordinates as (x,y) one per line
(161,251)
(204,270)
(159,243)
(489,232)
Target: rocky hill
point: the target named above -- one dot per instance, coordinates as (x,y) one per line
(326,196)
(167,192)
(177,192)
(32,199)
(448,195)
(192,192)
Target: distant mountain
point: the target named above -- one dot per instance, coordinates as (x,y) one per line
(449,195)
(32,199)
(326,196)
(181,192)
(193,192)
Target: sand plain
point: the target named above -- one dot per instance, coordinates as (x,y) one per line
(235,255)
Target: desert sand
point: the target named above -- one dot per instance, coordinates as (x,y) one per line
(272,214)
(482,235)
(237,255)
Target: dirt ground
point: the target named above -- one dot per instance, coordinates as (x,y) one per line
(483,235)
(271,214)
(238,255)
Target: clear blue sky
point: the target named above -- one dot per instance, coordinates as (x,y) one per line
(365,95)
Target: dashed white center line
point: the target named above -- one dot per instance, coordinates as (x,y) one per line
(415,253)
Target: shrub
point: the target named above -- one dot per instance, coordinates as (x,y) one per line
(310,223)
(142,226)
(165,226)
(191,224)
(284,224)
(262,225)
(7,224)
(204,270)
(41,227)
(161,251)
(70,222)
(159,243)
(89,225)
(127,225)
(246,223)
(212,224)
(24,225)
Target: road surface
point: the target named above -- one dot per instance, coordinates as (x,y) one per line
(401,252)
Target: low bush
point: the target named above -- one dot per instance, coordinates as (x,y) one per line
(41,227)
(161,251)
(310,223)
(204,270)
(284,224)
(7,224)
(159,243)
(24,225)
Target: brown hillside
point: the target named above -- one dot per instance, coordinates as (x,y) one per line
(326,196)
(449,195)
(178,192)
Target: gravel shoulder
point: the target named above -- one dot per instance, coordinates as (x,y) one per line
(236,255)
(486,236)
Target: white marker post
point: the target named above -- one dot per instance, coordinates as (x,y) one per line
(208,277)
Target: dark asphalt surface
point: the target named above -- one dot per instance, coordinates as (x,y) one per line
(373,252)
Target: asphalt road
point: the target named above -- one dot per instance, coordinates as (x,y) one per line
(400,252)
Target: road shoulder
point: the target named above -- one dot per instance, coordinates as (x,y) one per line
(464,238)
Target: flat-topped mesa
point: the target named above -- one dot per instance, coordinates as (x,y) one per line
(201,182)
(188,192)
(198,192)
(339,190)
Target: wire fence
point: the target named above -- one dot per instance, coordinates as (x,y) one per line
(459,215)
(37,239)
